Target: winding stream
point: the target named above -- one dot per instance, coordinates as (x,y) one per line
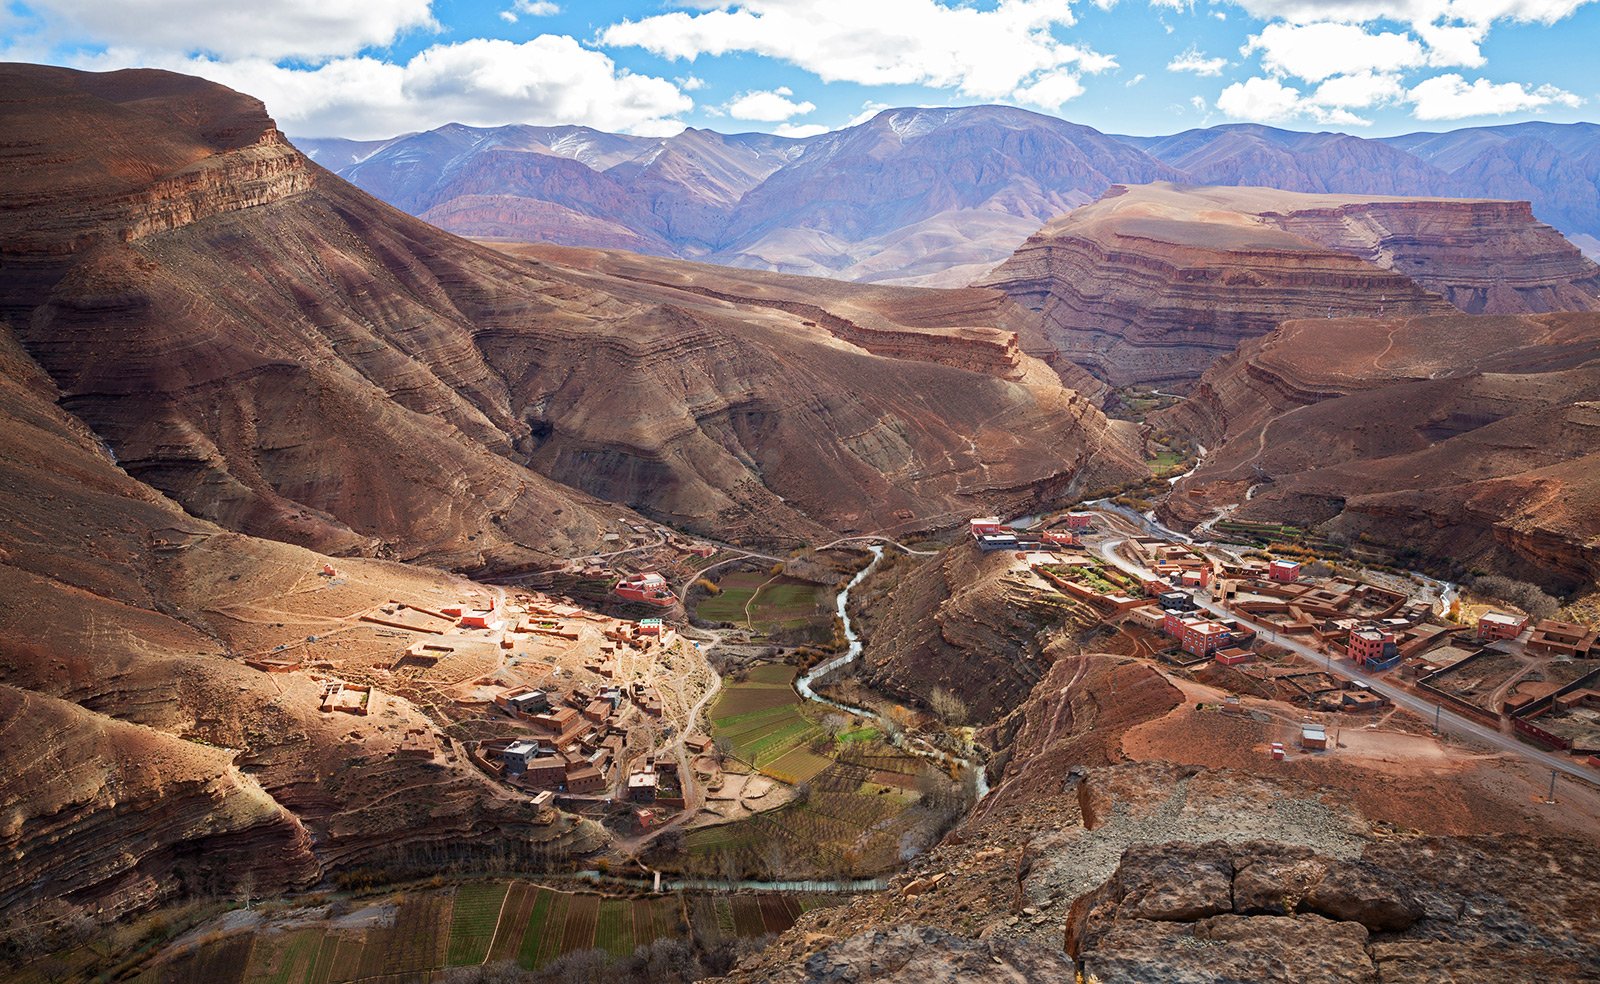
(803,683)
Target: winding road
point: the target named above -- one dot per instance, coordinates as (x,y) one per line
(1448,720)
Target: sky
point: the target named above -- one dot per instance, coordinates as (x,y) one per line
(371,69)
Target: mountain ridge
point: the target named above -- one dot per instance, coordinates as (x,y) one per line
(961,183)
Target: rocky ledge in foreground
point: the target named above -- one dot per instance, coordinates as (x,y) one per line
(1504,909)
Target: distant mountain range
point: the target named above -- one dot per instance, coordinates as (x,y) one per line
(916,196)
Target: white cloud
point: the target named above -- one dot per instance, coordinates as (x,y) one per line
(533,8)
(1194,60)
(984,54)
(1199,103)
(550,79)
(301,29)
(1050,91)
(799,129)
(1318,51)
(1260,100)
(1359,91)
(1413,11)
(1134,81)
(691,83)
(768,107)
(1450,97)
(1453,45)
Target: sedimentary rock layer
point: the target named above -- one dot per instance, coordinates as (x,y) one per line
(1471,440)
(1154,283)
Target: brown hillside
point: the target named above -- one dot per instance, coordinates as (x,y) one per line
(288,357)
(1470,439)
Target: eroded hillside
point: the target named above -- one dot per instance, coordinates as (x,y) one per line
(1154,283)
(288,357)
(1471,440)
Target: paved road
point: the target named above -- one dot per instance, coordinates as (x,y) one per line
(1449,721)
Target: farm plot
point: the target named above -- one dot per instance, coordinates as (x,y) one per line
(216,962)
(718,918)
(764,718)
(413,944)
(736,591)
(472,922)
(768,604)
(789,603)
(515,918)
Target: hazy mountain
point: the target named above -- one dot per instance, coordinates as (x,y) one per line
(917,196)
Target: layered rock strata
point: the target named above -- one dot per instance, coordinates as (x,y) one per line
(1152,284)
(292,359)
(1469,440)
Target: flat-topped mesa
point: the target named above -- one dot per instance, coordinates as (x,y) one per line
(168,151)
(1153,283)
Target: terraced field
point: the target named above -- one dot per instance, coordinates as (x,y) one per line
(766,721)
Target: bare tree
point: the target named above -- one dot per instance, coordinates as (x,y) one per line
(949,707)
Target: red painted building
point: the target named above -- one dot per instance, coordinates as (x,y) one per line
(984,526)
(650,588)
(1495,625)
(1080,520)
(1172,625)
(1201,638)
(1286,571)
(1370,644)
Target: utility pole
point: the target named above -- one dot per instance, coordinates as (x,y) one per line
(1437,708)
(1552,797)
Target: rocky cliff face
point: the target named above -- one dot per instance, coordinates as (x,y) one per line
(1482,257)
(289,358)
(1465,438)
(1153,284)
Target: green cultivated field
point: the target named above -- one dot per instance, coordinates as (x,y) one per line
(781,603)
(764,717)
(472,922)
(479,922)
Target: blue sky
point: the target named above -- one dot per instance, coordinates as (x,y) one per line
(373,68)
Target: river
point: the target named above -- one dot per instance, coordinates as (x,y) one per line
(915,746)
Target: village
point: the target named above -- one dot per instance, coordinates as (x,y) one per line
(580,691)
(1329,642)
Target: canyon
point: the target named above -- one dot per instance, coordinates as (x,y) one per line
(1466,438)
(371,369)
(251,416)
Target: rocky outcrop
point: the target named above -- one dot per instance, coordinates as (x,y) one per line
(1153,284)
(125,817)
(1483,257)
(1436,910)
(927,955)
(1465,440)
